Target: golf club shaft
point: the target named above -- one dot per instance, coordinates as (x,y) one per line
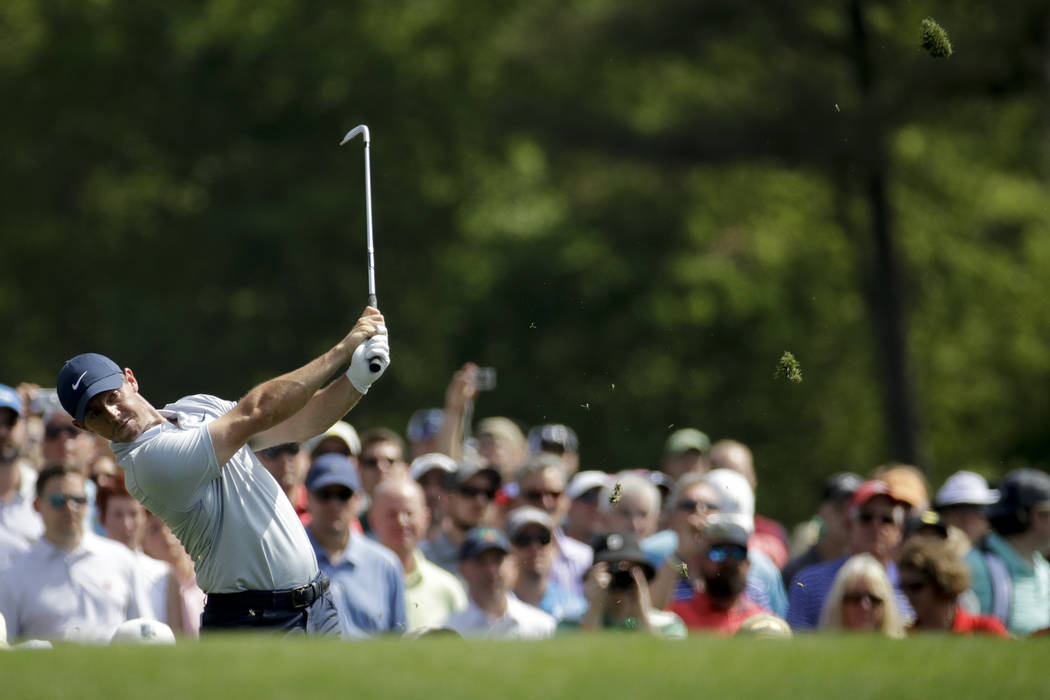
(372,300)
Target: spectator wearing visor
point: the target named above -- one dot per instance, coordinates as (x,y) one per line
(367,581)
(1011,579)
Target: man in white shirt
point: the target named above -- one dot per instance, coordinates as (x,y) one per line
(192,464)
(493,612)
(71,585)
(17,516)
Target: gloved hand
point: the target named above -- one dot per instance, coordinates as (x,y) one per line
(373,353)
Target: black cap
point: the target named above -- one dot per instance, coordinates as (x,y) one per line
(615,548)
(1022,488)
(928,522)
(841,487)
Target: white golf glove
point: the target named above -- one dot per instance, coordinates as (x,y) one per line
(369,361)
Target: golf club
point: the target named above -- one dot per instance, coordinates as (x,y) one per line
(372,301)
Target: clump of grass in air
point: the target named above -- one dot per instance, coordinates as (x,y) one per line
(935,39)
(788,368)
(614,498)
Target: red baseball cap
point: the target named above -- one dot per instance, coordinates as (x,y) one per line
(869,490)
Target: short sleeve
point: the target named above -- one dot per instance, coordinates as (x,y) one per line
(174,466)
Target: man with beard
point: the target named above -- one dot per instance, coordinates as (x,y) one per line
(472,487)
(722,606)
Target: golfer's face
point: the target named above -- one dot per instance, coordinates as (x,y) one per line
(116,415)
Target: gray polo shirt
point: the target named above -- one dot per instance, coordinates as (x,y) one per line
(235,521)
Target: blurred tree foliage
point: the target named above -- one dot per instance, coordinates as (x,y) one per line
(630,209)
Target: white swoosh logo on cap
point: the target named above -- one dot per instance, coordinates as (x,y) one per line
(77,382)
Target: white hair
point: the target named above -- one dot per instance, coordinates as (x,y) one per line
(631,484)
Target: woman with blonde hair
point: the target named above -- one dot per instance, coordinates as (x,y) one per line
(862,600)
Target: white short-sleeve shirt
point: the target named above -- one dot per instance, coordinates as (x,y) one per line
(520,621)
(78,596)
(235,521)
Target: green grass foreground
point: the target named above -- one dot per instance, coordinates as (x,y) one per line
(579,667)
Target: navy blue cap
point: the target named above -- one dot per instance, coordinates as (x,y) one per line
(425,424)
(9,398)
(85,377)
(332,468)
(481,539)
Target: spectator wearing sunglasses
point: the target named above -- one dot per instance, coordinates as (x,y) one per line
(542,484)
(691,501)
(71,585)
(934,576)
(17,516)
(367,580)
(531,534)
(471,490)
(285,464)
(861,599)
(721,561)
(876,526)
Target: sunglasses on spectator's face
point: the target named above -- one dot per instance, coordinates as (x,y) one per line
(719,553)
(537,495)
(690,506)
(53,431)
(914,586)
(59,500)
(276,451)
(334,494)
(475,491)
(524,540)
(866,518)
(860,598)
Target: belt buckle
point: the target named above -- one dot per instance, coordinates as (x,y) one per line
(301,597)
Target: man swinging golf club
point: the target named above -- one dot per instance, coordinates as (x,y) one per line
(192,464)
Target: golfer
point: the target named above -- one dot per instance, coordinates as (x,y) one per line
(191,463)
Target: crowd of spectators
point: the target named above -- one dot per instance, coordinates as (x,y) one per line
(489,530)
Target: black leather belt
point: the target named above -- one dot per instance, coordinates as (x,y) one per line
(291,599)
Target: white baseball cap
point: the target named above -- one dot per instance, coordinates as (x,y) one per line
(734,492)
(584,481)
(142,630)
(430,461)
(965,488)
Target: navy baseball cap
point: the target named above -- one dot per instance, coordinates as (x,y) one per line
(9,398)
(332,468)
(85,377)
(481,539)
(425,424)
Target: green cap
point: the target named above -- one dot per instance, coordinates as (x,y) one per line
(681,441)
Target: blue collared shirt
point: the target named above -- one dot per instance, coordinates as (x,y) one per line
(368,585)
